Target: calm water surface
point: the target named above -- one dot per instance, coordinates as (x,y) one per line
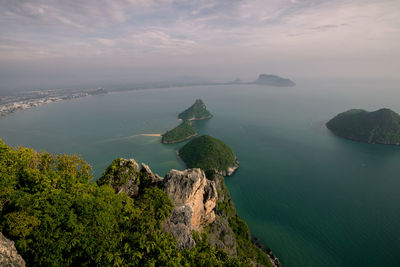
(315,199)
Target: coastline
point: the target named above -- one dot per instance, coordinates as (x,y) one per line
(201,118)
(359,140)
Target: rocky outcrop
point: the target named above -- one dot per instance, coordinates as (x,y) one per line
(221,235)
(9,256)
(123,176)
(194,197)
(201,201)
(149,175)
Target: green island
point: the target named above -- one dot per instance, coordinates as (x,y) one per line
(180,133)
(56,215)
(197,111)
(209,153)
(185,130)
(377,127)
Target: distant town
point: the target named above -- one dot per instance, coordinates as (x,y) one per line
(31,99)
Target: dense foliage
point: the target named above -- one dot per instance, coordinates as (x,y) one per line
(180,133)
(57,217)
(197,111)
(381,126)
(207,153)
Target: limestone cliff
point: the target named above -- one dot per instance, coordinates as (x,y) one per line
(194,198)
(9,256)
(201,203)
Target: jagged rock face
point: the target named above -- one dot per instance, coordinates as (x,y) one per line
(9,256)
(194,197)
(222,236)
(179,225)
(146,171)
(191,187)
(123,176)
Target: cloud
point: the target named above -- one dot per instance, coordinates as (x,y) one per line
(205,31)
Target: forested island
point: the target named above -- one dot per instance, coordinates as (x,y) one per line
(197,111)
(182,132)
(185,130)
(57,216)
(209,153)
(378,127)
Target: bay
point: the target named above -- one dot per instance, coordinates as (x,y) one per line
(313,198)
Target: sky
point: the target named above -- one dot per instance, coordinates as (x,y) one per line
(50,43)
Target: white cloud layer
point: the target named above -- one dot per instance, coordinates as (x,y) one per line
(304,37)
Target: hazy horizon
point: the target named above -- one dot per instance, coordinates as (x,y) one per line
(66,44)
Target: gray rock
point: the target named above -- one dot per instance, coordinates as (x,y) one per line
(9,256)
(123,176)
(146,171)
(179,225)
(194,197)
(221,236)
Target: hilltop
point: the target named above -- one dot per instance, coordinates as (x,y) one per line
(197,111)
(209,153)
(381,126)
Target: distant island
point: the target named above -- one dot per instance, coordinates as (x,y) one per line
(197,111)
(378,127)
(209,153)
(182,132)
(273,80)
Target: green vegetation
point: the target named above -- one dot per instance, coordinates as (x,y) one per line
(207,153)
(180,133)
(197,111)
(381,126)
(225,208)
(58,217)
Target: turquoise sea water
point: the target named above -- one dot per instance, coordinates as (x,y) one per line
(315,199)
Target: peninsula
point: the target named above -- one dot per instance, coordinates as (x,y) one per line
(182,132)
(378,127)
(209,153)
(273,80)
(197,111)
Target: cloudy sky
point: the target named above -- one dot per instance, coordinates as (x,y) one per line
(60,43)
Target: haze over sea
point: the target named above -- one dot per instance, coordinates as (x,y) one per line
(313,198)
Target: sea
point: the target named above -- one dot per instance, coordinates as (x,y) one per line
(315,199)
